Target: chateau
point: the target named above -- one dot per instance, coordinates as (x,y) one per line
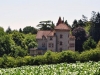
(55,40)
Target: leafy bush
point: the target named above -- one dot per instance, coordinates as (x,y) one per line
(10,62)
(29,60)
(90,43)
(39,60)
(51,58)
(1,62)
(68,56)
(93,55)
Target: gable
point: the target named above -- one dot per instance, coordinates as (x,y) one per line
(41,33)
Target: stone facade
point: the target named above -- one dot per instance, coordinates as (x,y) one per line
(55,40)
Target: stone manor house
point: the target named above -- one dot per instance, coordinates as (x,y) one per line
(55,40)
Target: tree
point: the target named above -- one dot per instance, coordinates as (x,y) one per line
(89,44)
(19,39)
(80,36)
(80,23)
(29,29)
(52,25)
(84,18)
(5,44)
(95,27)
(75,24)
(20,30)
(2,31)
(46,25)
(67,24)
(8,30)
(98,45)
(30,41)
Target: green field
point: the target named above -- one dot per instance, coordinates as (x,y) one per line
(88,68)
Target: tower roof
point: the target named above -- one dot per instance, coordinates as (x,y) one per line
(59,21)
(61,25)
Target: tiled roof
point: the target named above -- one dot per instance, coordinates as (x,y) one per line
(51,33)
(59,21)
(62,26)
(41,33)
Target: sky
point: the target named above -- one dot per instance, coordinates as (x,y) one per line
(21,13)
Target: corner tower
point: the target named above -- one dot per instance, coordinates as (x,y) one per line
(62,35)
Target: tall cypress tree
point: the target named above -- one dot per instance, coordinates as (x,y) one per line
(95,27)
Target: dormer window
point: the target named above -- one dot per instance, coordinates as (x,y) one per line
(61,36)
(50,38)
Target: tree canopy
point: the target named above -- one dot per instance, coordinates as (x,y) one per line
(80,36)
(46,25)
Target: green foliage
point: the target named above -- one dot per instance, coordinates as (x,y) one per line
(20,30)
(95,26)
(18,51)
(2,31)
(1,61)
(30,41)
(16,43)
(46,25)
(39,60)
(68,56)
(29,29)
(98,45)
(5,44)
(88,44)
(87,26)
(29,60)
(87,68)
(92,55)
(50,58)
(80,38)
(8,30)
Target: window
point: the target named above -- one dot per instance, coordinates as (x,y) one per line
(72,45)
(51,45)
(61,36)
(50,38)
(60,43)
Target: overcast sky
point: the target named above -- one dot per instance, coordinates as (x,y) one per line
(20,13)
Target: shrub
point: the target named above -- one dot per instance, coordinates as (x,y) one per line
(49,57)
(88,44)
(10,62)
(39,60)
(91,55)
(20,61)
(1,62)
(68,56)
(29,60)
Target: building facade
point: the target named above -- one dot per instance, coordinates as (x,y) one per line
(55,40)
